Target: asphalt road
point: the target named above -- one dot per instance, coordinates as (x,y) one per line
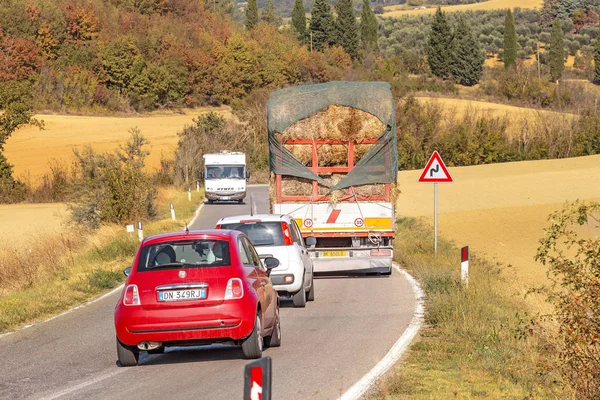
(326,347)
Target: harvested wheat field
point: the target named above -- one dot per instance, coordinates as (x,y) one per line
(402,10)
(23,222)
(500,210)
(31,150)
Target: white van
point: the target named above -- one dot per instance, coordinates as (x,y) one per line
(225,176)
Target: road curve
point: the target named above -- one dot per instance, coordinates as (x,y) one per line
(326,347)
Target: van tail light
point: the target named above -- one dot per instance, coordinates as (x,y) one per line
(381,252)
(218,226)
(132,296)
(287,234)
(234,290)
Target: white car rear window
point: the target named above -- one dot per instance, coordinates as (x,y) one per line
(259,233)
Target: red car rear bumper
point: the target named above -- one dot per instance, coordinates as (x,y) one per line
(227,321)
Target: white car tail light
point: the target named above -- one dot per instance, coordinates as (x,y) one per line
(287,234)
(234,290)
(132,296)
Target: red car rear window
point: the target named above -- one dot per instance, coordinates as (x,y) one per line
(202,253)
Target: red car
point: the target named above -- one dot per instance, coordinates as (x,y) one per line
(195,288)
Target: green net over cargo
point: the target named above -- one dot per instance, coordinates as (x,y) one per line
(286,106)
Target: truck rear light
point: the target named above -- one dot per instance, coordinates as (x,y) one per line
(287,235)
(234,290)
(381,252)
(132,296)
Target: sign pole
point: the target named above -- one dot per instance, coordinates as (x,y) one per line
(435,217)
(435,172)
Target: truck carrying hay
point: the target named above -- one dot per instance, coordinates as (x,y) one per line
(335,137)
(334,164)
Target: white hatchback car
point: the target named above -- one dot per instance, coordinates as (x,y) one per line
(279,236)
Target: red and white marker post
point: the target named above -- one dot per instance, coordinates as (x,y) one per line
(257,380)
(435,172)
(464,265)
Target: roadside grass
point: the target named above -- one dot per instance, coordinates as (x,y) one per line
(56,272)
(477,341)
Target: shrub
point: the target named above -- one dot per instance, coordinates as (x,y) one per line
(113,188)
(573,268)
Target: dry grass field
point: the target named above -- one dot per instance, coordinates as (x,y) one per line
(31,150)
(500,210)
(403,10)
(21,223)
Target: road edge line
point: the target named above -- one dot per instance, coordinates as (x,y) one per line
(70,310)
(398,349)
(196,214)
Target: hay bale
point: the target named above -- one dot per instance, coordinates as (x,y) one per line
(336,123)
(359,151)
(333,155)
(302,152)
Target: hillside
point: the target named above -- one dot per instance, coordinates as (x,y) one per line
(500,210)
(403,10)
(31,150)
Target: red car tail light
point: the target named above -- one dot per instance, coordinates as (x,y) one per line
(234,290)
(218,226)
(132,296)
(287,235)
(381,252)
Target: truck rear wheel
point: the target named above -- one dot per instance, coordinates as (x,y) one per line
(387,273)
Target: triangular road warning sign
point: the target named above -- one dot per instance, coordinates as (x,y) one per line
(435,171)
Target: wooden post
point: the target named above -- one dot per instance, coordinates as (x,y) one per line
(311,42)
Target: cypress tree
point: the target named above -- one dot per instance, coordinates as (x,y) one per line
(347,28)
(557,51)
(299,20)
(467,65)
(322,25)
(368,27)
(269,14)
(597,58)
(439,49)
(510,41)
(251,14)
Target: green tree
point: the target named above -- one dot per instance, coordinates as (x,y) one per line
(510,41)
(15,110)
(322,25)
(557,51)
(597,59)
(439,49)
(347,28)
(468,60)
(121,62)
(251,14)
(299,20)
(368,27)
(269,14)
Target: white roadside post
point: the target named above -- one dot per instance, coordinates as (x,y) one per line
(435,172)
(140,231)
(464,265)
(197,186)
(189,193)
(172,212)
(130,230)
